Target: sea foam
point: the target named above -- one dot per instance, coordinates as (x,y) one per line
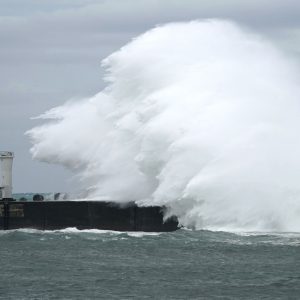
(202,117)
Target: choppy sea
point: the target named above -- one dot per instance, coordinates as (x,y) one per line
(95,264)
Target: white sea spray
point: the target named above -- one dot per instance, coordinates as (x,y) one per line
(202,117)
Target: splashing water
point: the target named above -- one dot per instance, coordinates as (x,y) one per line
(202,117)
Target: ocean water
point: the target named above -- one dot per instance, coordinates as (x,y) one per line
(95,264)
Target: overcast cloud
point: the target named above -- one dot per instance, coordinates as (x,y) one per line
(51,51)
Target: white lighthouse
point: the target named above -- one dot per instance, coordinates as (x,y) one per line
(6,160)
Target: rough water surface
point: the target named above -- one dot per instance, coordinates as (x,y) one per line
(94,264)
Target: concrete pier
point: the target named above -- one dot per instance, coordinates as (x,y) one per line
(52,215)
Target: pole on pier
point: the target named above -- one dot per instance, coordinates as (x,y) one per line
(6,161)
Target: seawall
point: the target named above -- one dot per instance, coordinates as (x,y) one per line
(53,215)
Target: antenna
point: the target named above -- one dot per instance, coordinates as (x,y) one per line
(6,160)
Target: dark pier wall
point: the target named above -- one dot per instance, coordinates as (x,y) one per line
(51,215)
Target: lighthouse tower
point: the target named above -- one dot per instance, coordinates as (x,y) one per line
(6,160)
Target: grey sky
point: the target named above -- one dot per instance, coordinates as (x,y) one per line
(51,51)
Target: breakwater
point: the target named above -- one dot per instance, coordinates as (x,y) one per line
(52,215)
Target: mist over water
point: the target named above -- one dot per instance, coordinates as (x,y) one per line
(202,117)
